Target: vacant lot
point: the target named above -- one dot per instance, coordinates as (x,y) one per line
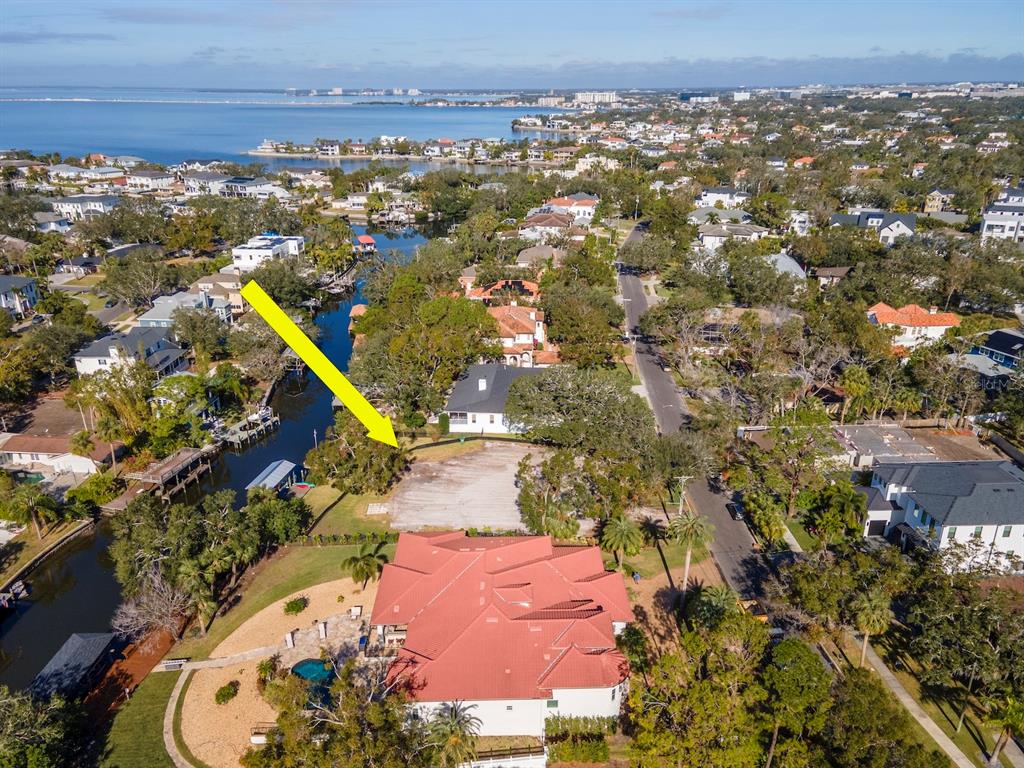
(475,490)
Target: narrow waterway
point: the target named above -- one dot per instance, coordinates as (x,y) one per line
(75,590)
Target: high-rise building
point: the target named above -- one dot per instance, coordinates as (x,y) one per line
(550,101)
(597,97)
(741,96)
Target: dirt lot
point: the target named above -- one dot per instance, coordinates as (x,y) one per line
(954,445)
(473,490)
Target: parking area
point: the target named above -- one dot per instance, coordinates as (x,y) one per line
(475,490)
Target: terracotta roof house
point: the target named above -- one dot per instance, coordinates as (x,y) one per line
(520,289)
(523,336)
(517,626)
(914,325)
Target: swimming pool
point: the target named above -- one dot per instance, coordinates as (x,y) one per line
(313,670)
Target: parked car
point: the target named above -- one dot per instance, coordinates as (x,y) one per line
(735,510)
(110,303)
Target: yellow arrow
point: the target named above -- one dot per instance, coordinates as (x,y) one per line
(378,426)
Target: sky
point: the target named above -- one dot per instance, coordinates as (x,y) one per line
(491,44)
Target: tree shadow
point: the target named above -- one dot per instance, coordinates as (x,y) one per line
(10,552)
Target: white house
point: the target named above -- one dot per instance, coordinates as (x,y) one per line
(579,205)
(204,183)
(18,295)
(45,221)
(477,401)
(256,187)
(889,226)
(713,236)
(53,453)
(263,248)
(162,313)
(727,196)
(77,207)
(938,503)
(151,345)
(518,628)
(1003,221)
(150,181)
(913,325)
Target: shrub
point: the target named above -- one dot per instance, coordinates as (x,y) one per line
(444,423)
(578,739)
(296,605)
(226,692)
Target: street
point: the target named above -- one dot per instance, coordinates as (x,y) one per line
(732,546)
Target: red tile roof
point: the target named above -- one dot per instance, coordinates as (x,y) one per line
(513,320)
(522,287)
(912,316)
(503,617)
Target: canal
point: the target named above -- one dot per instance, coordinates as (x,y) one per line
(75,590)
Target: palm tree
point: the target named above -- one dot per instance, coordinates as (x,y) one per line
(29,504)
(688,529)
(872,616)
(367,563)
(621,536)
(906,400)
(856,383)
(453,731)
(81,443)
(195,582)
(1008,716)
(109,429)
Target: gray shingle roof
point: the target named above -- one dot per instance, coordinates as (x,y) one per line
(962,492)
(14,283)
(469,395)
(69,667)
(132,341)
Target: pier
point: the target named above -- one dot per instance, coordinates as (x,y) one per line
(173,474)
(249,429)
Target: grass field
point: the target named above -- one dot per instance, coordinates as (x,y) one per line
(649,563)
(20,550)
(136,736)
(292,569)
(343,514)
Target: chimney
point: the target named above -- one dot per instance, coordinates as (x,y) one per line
(481,384)
(932,310)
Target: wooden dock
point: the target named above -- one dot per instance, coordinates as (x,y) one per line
(173,474)
(250,429)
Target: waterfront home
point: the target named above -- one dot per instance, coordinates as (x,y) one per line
(255,187)
(18,295)
(518,628)
(477,400)
(47,221)
(162,313)
(259,250)
(150,181)
(52,454)
(912,325)
(150,345)
(935,504)
(77,207)
(200,182)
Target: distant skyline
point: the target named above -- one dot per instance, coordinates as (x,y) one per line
(526,44)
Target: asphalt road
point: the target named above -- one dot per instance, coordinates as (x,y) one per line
(732,546)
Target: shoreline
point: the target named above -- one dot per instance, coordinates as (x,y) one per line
(405,159)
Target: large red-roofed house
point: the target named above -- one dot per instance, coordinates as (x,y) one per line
(913,325)
(517,626)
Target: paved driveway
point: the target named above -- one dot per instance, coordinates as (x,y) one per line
(474,490)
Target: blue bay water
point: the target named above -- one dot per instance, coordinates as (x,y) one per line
(166,125)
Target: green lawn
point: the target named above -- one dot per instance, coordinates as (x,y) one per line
(292,569)
(802,535)
(336,514)
(86,281)
(649,562)
(628,373)
(136,736)
(973,737)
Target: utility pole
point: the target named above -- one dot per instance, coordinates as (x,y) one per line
(636,208)
(314,438)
